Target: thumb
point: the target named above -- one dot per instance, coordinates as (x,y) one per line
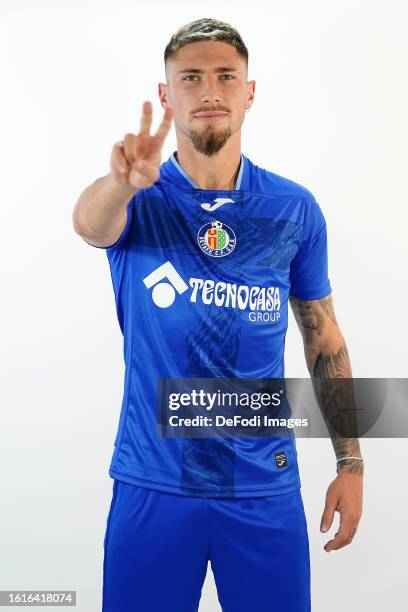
(328,515)
(143,172)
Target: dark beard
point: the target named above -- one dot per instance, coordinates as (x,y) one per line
(209,142)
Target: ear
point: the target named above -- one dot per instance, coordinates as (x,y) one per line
(250,93)
(163,94)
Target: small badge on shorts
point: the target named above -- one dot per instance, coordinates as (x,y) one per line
(280,459)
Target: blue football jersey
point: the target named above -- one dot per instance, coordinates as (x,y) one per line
(201,281)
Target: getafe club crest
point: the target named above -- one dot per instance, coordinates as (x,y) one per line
(216,239)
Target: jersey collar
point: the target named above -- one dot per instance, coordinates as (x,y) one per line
(173,172)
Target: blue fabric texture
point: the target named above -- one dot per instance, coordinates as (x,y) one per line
(158,545)
(201,281)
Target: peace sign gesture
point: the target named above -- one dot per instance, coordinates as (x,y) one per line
(136,160)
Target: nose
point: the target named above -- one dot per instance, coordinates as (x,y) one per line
(210,98)
(210,93)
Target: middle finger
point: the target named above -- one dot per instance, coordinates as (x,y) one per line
(147,115)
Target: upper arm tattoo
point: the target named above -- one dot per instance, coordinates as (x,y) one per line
(326,350)
(315,318)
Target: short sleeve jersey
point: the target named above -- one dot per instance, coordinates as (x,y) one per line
(201,281)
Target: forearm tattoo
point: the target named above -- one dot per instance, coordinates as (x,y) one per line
(329,365)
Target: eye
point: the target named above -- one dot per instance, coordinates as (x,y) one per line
(190,77)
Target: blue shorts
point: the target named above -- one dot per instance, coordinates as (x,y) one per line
(157,547)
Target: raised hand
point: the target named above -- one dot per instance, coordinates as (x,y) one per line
(136,160)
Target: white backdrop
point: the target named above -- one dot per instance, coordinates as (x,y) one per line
(329,113)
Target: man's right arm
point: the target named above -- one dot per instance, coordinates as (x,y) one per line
(100,214)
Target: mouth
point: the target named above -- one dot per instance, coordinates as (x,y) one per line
(210,116)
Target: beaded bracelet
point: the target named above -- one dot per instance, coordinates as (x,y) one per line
(344,459)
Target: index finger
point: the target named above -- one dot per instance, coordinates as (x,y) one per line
(165,125)
(343,536)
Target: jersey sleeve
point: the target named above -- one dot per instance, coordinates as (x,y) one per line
(309,268)
(119,242)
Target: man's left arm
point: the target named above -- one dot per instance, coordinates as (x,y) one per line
(327,358)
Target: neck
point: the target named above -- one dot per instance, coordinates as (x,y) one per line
(219,171)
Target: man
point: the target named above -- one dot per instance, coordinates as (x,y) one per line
(187,242)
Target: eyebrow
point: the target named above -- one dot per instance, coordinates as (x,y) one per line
(220,69)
